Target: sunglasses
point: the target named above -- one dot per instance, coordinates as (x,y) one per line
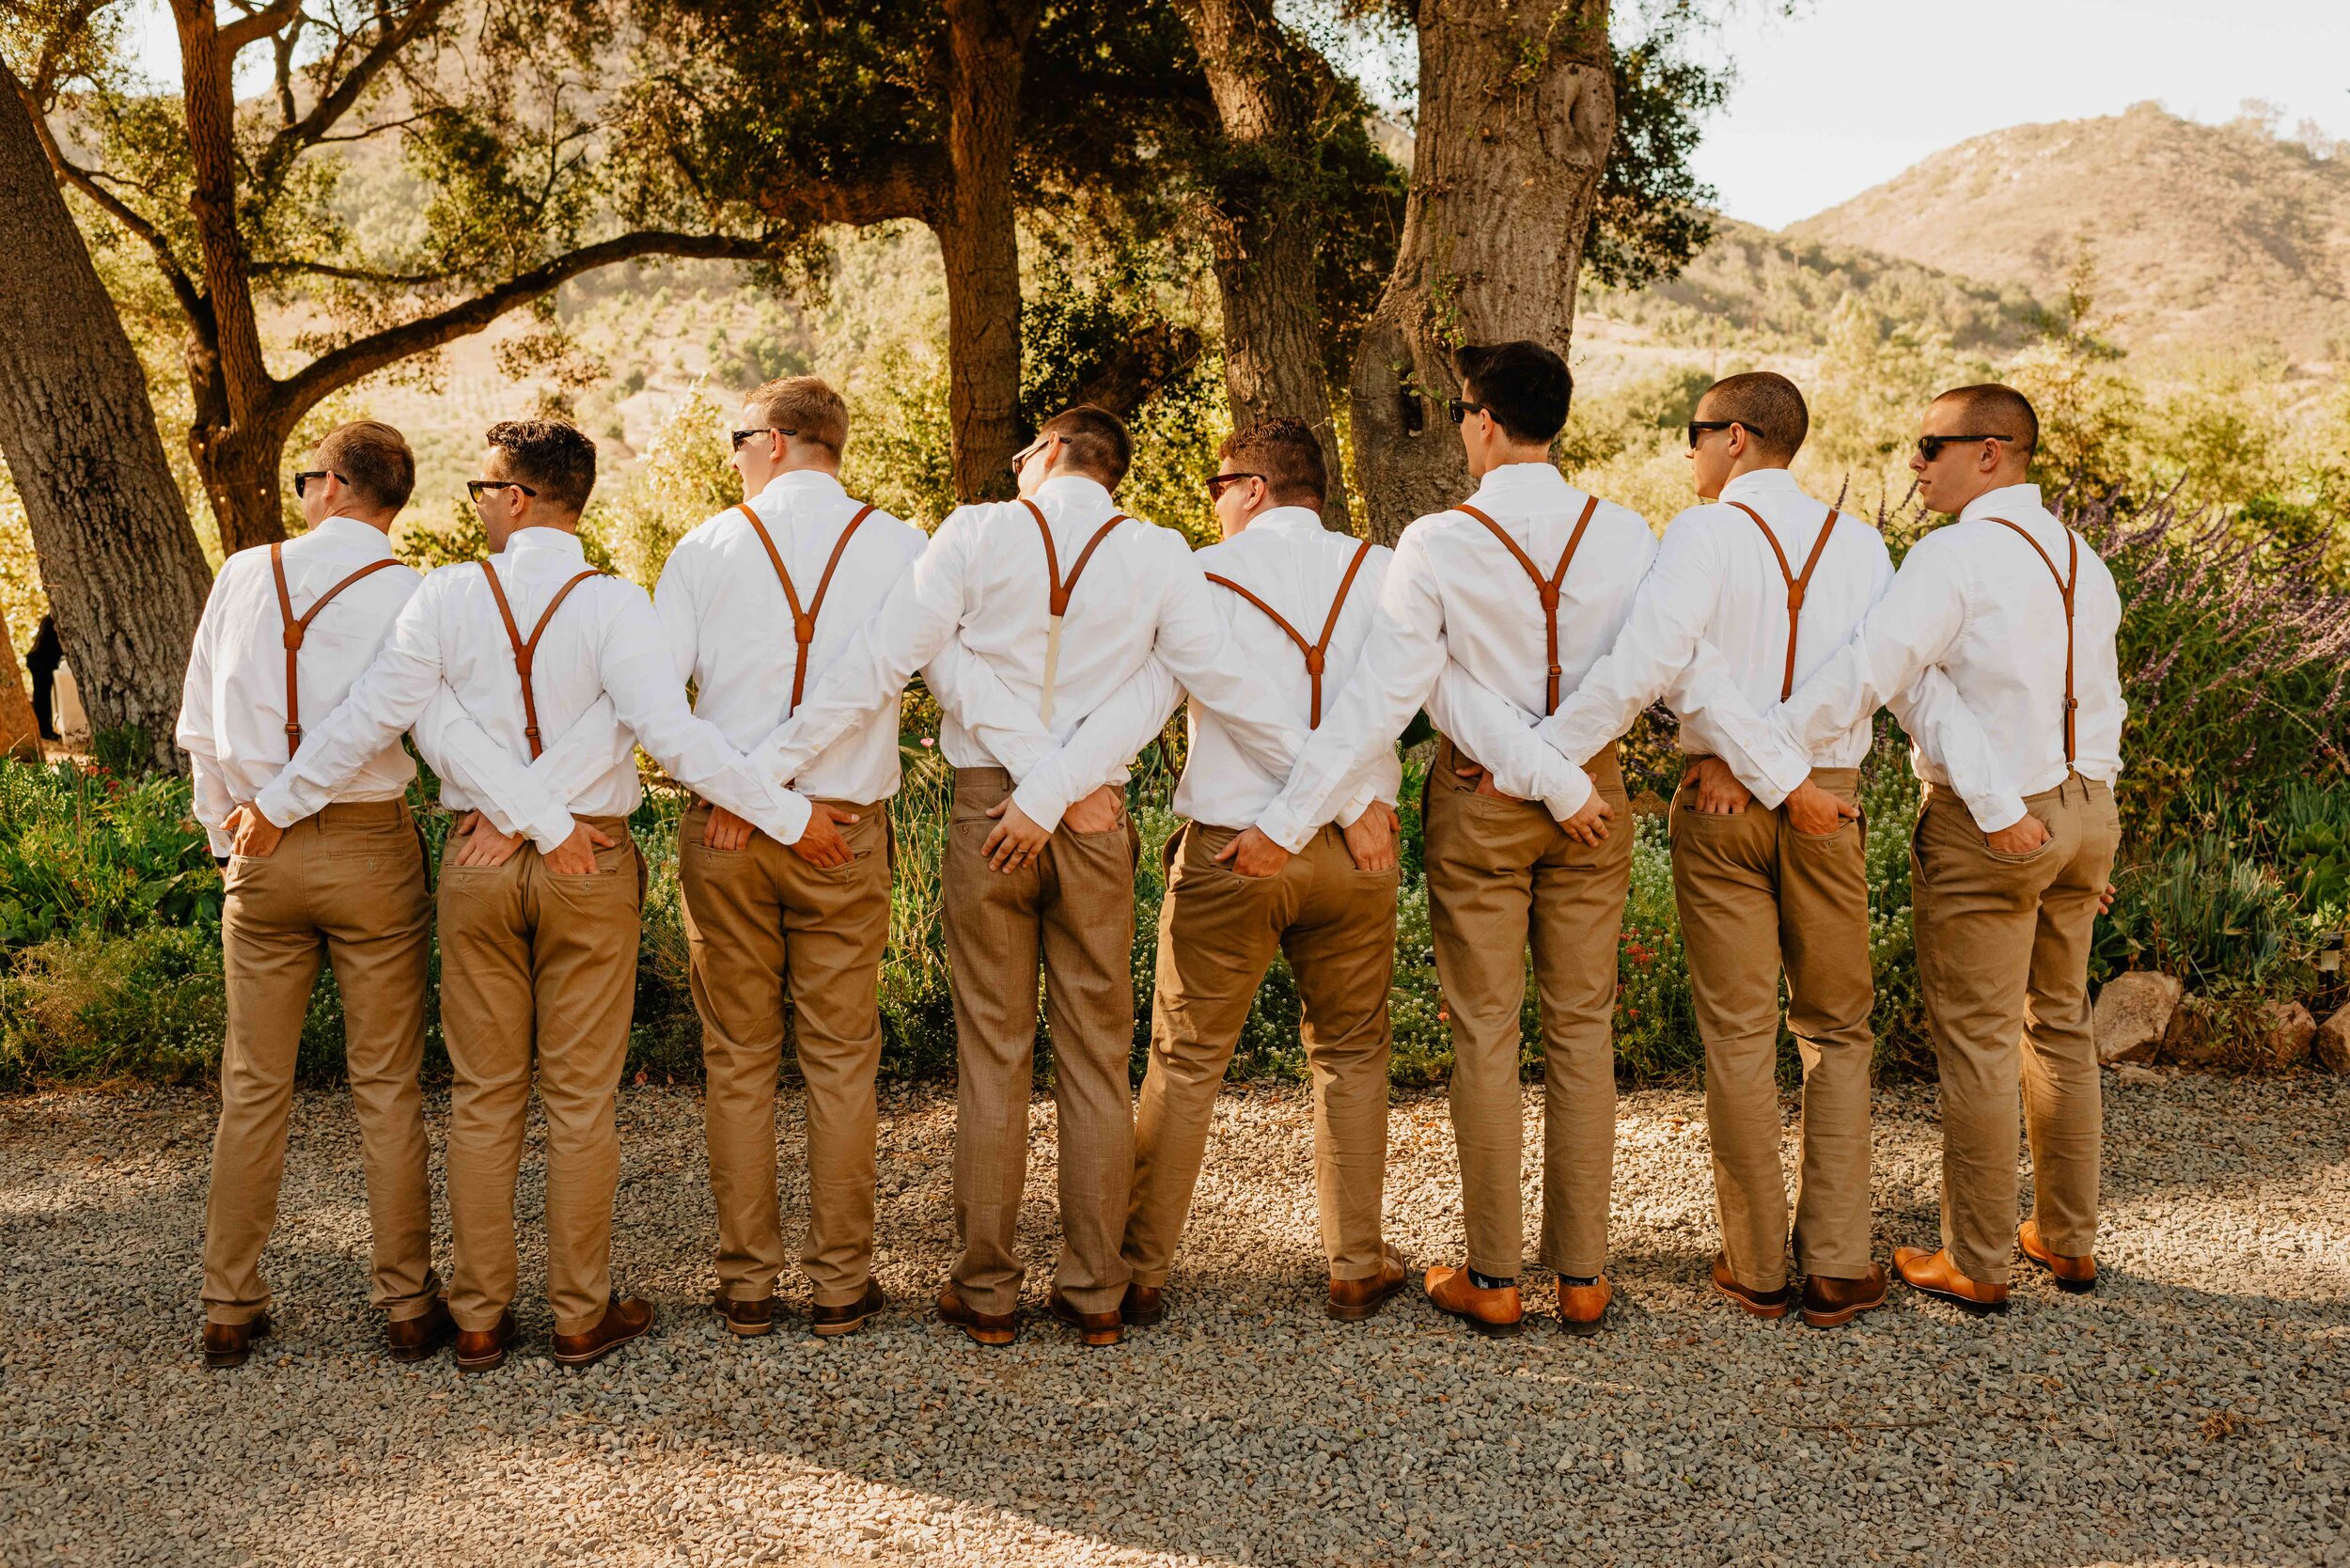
(475,487)
(1698,427)
(1020,459)
(1929,447)
(302,480)
(1219,483)
(1459,409)
(741,437)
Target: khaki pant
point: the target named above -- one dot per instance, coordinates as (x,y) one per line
(533,959)
(1756,896)
(1218,932)
(764,924)
(1502,874)
(347,884)
(1073,908)
(2003,959)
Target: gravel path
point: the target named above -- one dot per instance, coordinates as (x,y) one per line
(2197,1408)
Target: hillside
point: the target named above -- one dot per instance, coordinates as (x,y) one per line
(2203,237)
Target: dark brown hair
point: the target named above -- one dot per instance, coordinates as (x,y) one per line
(1767,404)
(806,404)
(1097,441)
(1285,454)
(1991,409)
(554,458)
(373,460)
(1525,386)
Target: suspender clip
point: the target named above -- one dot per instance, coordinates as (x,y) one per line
(293,636)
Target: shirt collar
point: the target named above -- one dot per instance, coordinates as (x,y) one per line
(802,485)
(1763,484)
(2005,502)
(545,542)
(1291,521)
(349,533)
(1077,490)
(1525,487)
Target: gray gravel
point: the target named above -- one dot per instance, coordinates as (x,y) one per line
(2197,1408)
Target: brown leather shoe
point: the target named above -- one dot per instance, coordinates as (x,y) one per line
(1497,1312)
(745,1319)
(1093,1328)
(1353,1300)
(1144,1306)
(1828,1303)
(2076,1274)
(480,1349)
(987,1328)
(622,1321)
(1761,1304)
(830,1323)
(1583,1309)
(416,1339)
(1936,1274)
(228,1344)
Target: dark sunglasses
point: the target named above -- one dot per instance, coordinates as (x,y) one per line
(1461,408)
(1699,427)
(1020,458)
(1219,483)
(1929,447)
(302,480)
(741,437)
(475,487)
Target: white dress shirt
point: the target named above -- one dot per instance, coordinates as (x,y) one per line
(1709,633)
(603,660)
(1286,557)
(1461,629)
(1980,604)
(983,583)
(232,708)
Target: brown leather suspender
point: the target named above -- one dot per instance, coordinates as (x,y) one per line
(1547,587)
(803,620)
(1057,602)
(297,629)
(525,651)
(2065,587)
(1796,586)
(1317,651)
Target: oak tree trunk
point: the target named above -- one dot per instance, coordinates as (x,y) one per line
(1261,231)
(124,574)
(987,45)
(1516,113)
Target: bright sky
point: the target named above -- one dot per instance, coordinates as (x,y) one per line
(1848,93)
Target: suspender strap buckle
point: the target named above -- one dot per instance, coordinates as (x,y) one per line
(294,636)
(1547,589)
(803,620)
(1797,585)
(1317,653)
(524,652)
(297,626)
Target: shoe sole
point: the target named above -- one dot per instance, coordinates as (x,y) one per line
(744,1330)
(1142,1320)
(844,1326)
(420,1353)
(1584,1330)
(1372,1309)
(995,1338)
(222,1360)
(1843,1315)
(1966,1304)
(1098,1338)
(1752,1308)
(589,1358)
(2070,1287)
(1491,1330)
(486,1363)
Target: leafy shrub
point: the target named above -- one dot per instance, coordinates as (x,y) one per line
(87,1006)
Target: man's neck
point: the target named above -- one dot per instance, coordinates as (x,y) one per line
(1739,470)
(1506,457)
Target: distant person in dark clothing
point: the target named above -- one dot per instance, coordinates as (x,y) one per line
(46,655)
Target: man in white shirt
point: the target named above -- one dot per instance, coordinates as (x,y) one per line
(538,940)
(2009,864)
(1749,591)
(1299,600)
(1490,612)
(1063,600)
(287,630)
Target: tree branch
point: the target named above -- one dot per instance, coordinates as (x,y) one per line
(183,287)
(332,371)
(256,26)
(336,102)
(348,274)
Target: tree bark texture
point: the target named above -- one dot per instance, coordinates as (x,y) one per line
(987,47)
(1516,115)
(1261,225)
(124,574)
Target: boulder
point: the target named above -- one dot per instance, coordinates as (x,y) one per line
(2329,1047)
(2282,1034)
(2266,1036)
(2132,1012)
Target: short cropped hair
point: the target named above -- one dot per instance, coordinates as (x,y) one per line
(1991,409)
(1767,404)
(554,458)
(1525,386)
(807,405)
(1285,452)
(1096,440)
(373,460)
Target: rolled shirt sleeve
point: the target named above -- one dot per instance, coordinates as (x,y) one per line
(1503,738)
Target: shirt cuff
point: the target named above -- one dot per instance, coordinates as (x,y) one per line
(551,831)
(1040,802)
(1995,813)
(224,844)
(277,803)
(1574,793)
(1280,823)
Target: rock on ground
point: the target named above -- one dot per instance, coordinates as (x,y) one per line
(2133,1010)
(2195,1409)
(2329,1047)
